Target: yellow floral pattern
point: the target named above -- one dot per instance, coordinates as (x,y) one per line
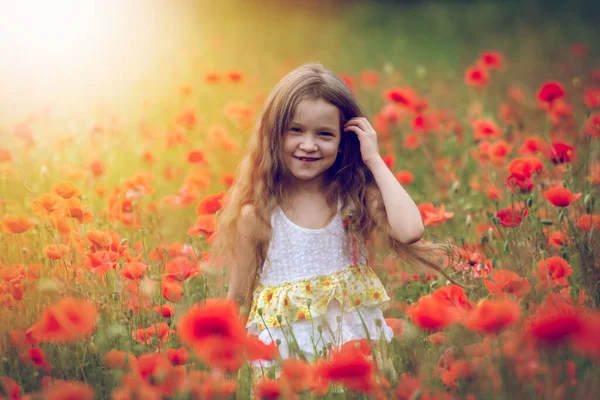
(353,286)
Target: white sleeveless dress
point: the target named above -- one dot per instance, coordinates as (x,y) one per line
(311,295)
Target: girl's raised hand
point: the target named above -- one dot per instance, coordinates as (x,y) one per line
(367,137)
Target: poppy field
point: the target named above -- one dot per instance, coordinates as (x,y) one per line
(108,210)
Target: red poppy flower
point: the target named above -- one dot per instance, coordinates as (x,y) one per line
(187,119)
(437,338)
(141,335)
(405,177)
(102,261)
(117,359)
(297,374)
(557,239)
(554,271)
(47,205)
(171,290)
(65,190)
(532,145)
(559,153)
(133,270)
(228,179)
(397,326)
(212,77)
(369,78)
(181,268)
(10,388)
(592,126)
(196,157)
(166,310)
(67,320)
(5,155)
(178,356)
(486,129)
(436,216)
(348,80)
(203,385)
(220,354)
(350,368)
(235,76)
(56,251)
(205,224)
(17,224)
(476,76)
(586,342)
(102,239)
(217,318)
(492,316)
(257,350)
(525,166)
(591,97)
(405,97)
(210,204)
(453,296)
(363,346)
(423,123)
(269,389)
(499,151)
(505,282)
(431,314)
(515,180)
(389,160)
(492,60)
(550,92)
(561,197)
(61,390)
(391,113)
(97,167)
(157,371)
(37,357)
(555,321)
(511,217)
(587,221)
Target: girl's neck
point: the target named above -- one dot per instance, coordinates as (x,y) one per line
(303,193)
(308,188)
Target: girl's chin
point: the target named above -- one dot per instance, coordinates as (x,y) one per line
(307,177)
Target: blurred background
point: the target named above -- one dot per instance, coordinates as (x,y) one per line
(73,56)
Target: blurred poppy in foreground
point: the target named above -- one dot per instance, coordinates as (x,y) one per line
(67,320)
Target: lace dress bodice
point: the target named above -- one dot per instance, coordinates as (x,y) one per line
(296,252)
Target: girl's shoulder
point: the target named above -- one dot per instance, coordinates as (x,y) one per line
(250,223)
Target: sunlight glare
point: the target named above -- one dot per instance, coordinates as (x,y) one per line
(49,27)
(76,51)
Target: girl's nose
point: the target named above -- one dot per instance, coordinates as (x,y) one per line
(308,144)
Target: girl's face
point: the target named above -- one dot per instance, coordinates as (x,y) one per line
(310,145)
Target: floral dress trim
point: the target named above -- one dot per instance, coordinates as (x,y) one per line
(287,302)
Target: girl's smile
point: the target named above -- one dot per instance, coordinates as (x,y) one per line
(307,160)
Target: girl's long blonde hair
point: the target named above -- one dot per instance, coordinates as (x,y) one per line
(262,179)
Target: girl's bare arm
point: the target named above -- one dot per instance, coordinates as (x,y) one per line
(250,231)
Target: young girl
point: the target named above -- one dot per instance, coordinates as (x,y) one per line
(310,194)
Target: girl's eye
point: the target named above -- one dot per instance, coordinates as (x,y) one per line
(326,134)
(295,129)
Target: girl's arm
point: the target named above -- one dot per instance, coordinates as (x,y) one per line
(244,268)
(403,214)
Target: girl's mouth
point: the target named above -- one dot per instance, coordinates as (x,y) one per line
(307,159)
